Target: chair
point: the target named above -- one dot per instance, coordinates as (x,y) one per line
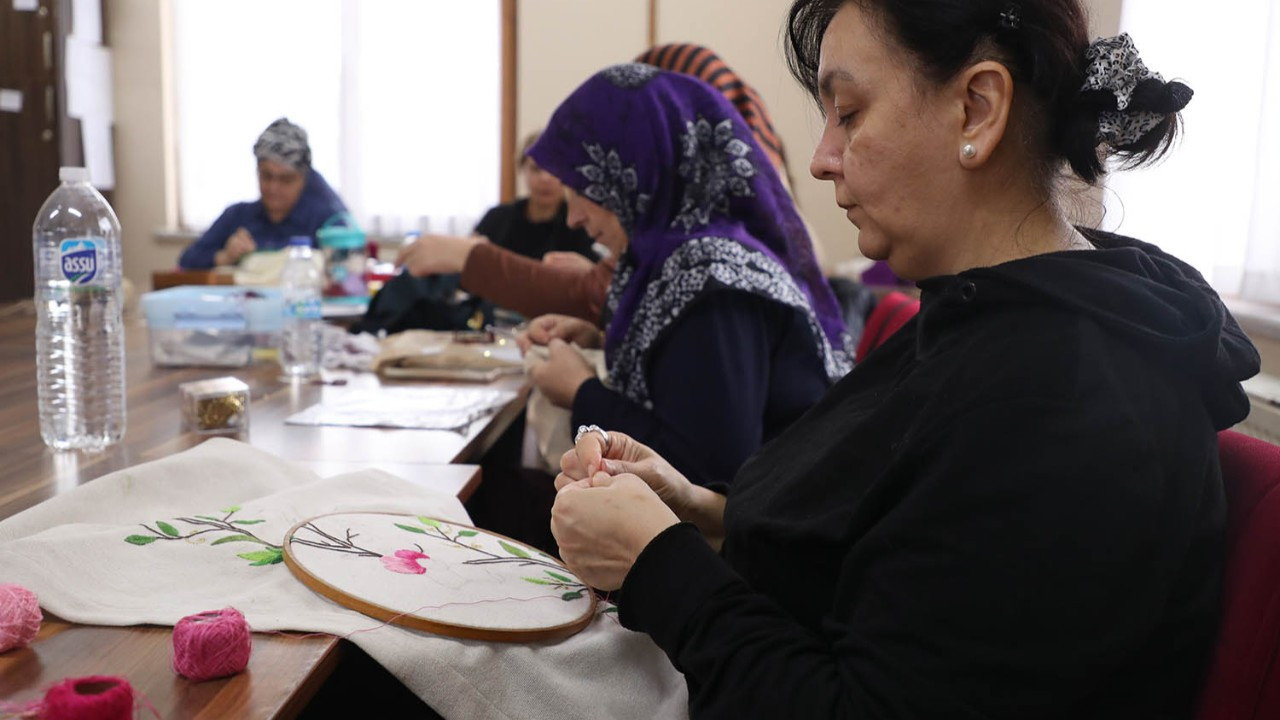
(892,312)
(1244,678)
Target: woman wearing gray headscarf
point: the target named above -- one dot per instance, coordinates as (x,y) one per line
(295,200)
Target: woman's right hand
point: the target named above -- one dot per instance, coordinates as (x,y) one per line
(437,254)
(624,454)
(237,246)
(545,328)
(568,261)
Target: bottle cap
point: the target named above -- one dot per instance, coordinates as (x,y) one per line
(300,240)
(73,174)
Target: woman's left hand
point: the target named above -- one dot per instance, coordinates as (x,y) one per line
(561,374)
(603,523)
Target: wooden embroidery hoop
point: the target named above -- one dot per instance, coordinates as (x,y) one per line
(416,622)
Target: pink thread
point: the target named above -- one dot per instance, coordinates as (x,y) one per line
(211,644)
(97,697)
(19,617)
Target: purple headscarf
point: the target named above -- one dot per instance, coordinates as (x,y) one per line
(700,201)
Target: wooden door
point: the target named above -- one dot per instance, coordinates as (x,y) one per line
(29,137)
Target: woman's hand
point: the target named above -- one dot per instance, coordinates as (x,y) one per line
(602,525)
(568,260)
(545,328)
(561,374)
(437,254)
(590,458)
(237,246)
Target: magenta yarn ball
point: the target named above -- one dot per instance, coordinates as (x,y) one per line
(97,697)
(211,644)
(20,617)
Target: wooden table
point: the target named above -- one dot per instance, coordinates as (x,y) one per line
(285,672)
(30,472)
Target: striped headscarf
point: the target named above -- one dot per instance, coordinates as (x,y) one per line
(704,64)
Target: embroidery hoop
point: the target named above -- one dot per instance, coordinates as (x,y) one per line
(346,591)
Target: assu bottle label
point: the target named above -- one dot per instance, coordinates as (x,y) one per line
(303,308)
(78,258)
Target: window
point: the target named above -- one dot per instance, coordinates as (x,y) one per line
(1213,201)
(401,100)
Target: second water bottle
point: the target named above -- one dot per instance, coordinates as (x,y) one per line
(301,339)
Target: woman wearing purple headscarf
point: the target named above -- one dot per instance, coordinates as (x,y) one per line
(721,329)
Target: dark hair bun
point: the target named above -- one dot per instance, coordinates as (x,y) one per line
(1087,133)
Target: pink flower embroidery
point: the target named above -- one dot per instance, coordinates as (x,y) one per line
(405,561)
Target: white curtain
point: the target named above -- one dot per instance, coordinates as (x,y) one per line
(400,99)
(1215,200)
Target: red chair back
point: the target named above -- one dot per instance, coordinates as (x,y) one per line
(892,312)
(1244,679)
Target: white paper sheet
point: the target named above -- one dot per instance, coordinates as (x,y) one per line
(86,20)
(431,408)
(10,100)
(99,157)
(88,76)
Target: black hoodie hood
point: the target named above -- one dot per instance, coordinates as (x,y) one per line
(1156,303)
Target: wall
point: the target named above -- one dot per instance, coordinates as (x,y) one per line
(145,197)
(560,43)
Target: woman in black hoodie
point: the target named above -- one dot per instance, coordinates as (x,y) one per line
(1013,508)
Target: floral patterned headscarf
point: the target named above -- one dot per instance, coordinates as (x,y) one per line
(701,203)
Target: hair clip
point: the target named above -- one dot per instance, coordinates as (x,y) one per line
(1010,17)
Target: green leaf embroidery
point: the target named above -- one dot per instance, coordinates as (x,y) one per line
(167,529)
(610,609)
(140,539)
(467,533)
(429,522)
(539,581)
(411,528)
(209,517)
(572,595)
(234,538)
(560,577)
(233,508)
(513,549)
(270,556)
(247,522)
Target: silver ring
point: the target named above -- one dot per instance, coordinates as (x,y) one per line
(584,429)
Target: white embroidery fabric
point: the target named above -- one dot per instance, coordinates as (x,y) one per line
(682,278)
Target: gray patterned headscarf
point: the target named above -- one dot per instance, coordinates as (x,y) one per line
(285,143)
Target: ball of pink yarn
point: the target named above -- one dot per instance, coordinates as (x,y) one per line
(97,697)
(211,644)
(19,617)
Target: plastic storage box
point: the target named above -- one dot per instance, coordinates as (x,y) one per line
(211,325)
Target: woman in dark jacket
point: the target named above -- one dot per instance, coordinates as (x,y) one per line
(1013,508)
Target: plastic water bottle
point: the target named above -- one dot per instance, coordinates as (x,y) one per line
(79,330)
(301,338)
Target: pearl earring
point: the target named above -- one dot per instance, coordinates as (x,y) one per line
(968,150)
